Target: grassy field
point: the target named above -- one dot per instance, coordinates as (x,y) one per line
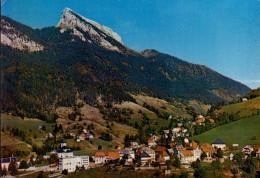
(14,144)
(240,132)
(23,124)
(244,109)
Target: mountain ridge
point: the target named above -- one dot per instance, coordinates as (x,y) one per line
(69,67)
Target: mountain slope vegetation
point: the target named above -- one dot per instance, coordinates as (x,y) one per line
(68,68)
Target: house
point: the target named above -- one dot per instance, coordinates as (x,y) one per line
(134,144)
(155,138)
(208,149)
(127,151)
(39,127)
(179,147)
(85,131)
(145,157)
(171,144)
(186,156)
(99,157)
(186,140)
(111,156)
(179,124)
(32,156)
(170,151)
(149,151)
(231,156)
(219,143)
(194,148)
(235,146)
(176,130)
(90,136)
(6,161)
(165,155)
(49,135)
(82,136)
(72,134)
(151,143)
(244,99)
(160,160)
(247,150)
(258,153)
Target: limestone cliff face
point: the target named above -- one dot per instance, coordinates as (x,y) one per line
(88,30)
(14,38)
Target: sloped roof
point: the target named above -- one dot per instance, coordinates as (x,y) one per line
(145,155)
(187,153)
(193,145)
(100,154)
(219,141)
(160,159)
(160,148)
(114,155)
(207,148)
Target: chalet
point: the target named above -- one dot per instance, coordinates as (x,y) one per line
(171,144)
(186,156)
(244,99)
(248,150)
(160,160)
(72,134)
(145,157)
(127,151)
(194,148)
(151,143)
(219,143)
(170,151)
(82,136)
(134,144)
(235,146)
(111,156)
(99,157)
(258,153)
(32,156)
(231,156)
(90,136)
(49,135)
(208,149)
(155,138)
(186,140)
(179,147)
(179,124)
(149,151)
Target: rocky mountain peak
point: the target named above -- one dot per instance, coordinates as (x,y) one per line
(83,28)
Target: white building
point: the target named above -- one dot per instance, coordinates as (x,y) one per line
(127,151)
(149,151)
(68,161)
(219,143)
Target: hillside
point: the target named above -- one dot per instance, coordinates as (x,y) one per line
(44,69)
(243,132)
(243,109)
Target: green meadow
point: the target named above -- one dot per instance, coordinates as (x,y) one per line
(243,132)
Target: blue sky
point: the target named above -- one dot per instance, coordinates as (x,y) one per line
(221,34)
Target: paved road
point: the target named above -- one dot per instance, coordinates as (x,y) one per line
(37,169)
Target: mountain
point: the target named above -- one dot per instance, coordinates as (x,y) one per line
(81,59)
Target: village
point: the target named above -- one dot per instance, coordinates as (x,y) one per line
(166,151)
